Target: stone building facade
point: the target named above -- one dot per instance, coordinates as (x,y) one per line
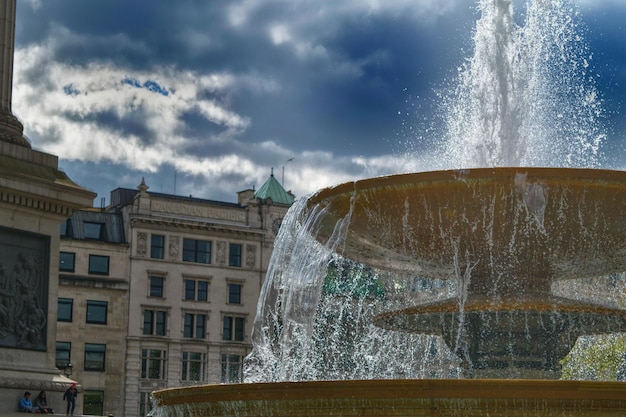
(178,298)
(93,308)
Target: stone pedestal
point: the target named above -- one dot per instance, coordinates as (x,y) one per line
(35,197)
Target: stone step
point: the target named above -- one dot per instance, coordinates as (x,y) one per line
(17,414)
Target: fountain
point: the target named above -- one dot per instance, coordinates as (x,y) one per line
(432,293)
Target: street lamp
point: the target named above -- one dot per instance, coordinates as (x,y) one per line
(67,370)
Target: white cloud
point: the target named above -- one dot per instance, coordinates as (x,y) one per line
(61,105)
(306,25)
(279,34)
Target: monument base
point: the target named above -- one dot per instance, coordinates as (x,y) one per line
(13,384)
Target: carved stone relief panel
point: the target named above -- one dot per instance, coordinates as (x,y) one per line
(220,255)
(174,245)
(142,239)
(24,280)
(250,256)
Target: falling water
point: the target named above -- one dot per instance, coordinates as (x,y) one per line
(525,97)
(315,320)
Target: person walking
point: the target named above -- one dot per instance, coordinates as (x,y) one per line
(70,396)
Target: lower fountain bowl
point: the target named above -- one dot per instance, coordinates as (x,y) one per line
(395,398)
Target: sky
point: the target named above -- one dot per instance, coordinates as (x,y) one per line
(206,97)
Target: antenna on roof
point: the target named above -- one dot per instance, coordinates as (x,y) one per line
(288,160)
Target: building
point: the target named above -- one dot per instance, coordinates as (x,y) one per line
(163,290)
(93,308)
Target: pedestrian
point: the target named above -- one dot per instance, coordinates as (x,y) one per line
(70,396)
(26,405)
(41,404)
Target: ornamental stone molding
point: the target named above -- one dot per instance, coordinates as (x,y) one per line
(250,256)
(220,252)
(174,245)
(142,238)
(16,381)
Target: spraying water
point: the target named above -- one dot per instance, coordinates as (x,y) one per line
(524,98)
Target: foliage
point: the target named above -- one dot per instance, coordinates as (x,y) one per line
(598,358)
(345,277)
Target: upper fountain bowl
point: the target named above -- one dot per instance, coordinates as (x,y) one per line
(525,226)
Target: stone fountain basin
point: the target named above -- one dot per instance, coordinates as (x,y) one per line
(525,226)
(516,336)
(536,310)
(395,398)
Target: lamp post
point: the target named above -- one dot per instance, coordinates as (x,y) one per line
(67,370)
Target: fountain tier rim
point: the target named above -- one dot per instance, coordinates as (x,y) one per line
(581,175)
(431,397)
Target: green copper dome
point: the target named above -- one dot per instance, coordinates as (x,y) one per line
(272,189)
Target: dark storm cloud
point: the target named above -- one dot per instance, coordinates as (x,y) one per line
(239,86)
(129,125)
(344,93)
(321,106)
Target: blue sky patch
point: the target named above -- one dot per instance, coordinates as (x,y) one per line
(155,88)
(132,82)
(70,90)
(149,85)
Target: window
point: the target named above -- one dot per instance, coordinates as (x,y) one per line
(94,356)
(194,325)
(92,230)
(93,403)
(66,228)
(232,368)
(66,261)
(156,286)
(154,322)
(99,264)
(152,364)
(97,312)
(234,293)
(63,354)
(145,403)
(234,255)
(194,366)
(157,246)
(197,290)
(197,251)
(65,309)
(233,328)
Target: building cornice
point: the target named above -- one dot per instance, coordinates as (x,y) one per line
(31,179)
(98,282)
(139,220)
